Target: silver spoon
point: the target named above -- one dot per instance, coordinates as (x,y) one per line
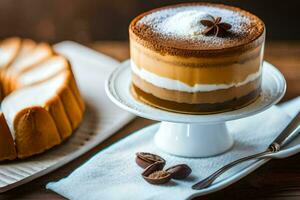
(284,138)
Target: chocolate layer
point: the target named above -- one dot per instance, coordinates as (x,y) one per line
(206,108)
(215,96)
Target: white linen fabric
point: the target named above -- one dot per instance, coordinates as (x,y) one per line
(113,173)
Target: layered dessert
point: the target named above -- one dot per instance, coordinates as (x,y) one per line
(196,58)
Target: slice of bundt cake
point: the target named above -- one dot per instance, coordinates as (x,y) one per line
(41,103)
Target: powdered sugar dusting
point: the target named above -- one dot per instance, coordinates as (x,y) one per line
(183,23)
(186,23)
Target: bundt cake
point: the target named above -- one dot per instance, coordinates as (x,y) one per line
(41,104)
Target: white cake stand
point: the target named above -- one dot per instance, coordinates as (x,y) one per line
(193,135)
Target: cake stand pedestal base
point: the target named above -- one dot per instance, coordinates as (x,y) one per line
(193,140)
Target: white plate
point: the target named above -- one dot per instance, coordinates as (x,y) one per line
(117,87)
(102,118)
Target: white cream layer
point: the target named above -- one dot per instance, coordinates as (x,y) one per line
(172,84)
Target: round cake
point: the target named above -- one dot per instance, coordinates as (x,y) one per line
(196,58)
(41,104)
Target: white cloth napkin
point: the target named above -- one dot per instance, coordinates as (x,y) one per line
(113,173)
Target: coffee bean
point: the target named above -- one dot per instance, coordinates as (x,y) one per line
(155,175)
(153,168)
(180,171)
(144,159)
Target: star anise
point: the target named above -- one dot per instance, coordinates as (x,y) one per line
(215,26)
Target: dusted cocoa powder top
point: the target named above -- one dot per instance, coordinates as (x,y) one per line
(178,29)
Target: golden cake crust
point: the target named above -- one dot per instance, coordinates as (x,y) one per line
(147,36)
(35,131)
(8,149)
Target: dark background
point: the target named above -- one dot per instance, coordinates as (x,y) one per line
(89,20)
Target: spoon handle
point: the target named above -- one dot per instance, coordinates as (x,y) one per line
(287,135)
(284,138)
(210,179)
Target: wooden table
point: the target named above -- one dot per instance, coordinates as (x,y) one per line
(278,179)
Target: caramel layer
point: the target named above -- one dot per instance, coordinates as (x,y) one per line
(216,73)
(206,108)
(216,96)
(203,61)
